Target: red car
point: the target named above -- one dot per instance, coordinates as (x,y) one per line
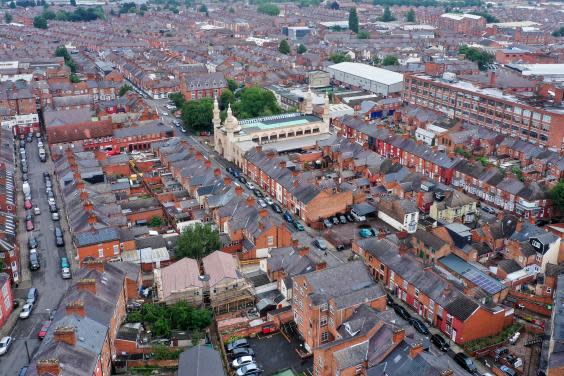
(29,223)
(27,204)
(43,330)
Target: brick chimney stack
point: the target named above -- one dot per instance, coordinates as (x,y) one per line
(66,334)
(48,367)
(415,349)
(87,284)
(558,95)
(250,201)
(217,172)
(75,308)
(263,212)
(447,372)
(227,181)
(94,265)
(493,78)
(282,164)
(207,163)
(304,251)
(239,190)
(398,335)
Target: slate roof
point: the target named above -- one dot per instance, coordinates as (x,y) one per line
(200,361)
(84,239)
(462,307)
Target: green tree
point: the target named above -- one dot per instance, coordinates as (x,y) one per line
(256,101)
(40,22)
(387,16)
(489,18)
(161,327)
(124,89)
(363,34)
(302,49)
(156,221)
(7,17)
(177,99)
(225,99)
(135,317)
(390,60)
(339,57)
(73,3)
(197,241)
(353,20)
(198,114)
(557,196)
(376,60)
(483,58)
(269,9)
(74,78)
(558,32)
(12,5)
(410,16)
(334,5)
(284,47)
(203,8)
(232,85)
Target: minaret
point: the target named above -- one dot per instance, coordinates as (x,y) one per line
(308,107)
(231,126)
(326,109)
(216,125)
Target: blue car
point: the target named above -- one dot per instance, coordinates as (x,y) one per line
(288,217)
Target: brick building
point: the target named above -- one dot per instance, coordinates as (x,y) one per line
(6,298)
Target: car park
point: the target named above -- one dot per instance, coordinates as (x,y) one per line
(242,361)
(238,343)
(298,226)
(261,203)
(419,326)
(43,331)
(465,362)
(402,312)
(320,243)
(32,295)
(247,370)
(26,311)
(5,344)
(327,223)
(440,342)
(241,351)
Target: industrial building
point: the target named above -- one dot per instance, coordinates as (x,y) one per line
(372,79)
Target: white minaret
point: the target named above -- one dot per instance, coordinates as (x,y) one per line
(216,125)
(308,106)
(326,109)
(231,126)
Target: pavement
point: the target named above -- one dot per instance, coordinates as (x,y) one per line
(48,279)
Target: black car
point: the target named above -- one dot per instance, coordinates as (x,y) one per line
(25,177)
(419,326)
(241,351)
(389,300)
(276,208)
(32,242)
(465,362)
(53,208)
(440,342)
(230,170)
(258,193)
(34,261)
(402,312)
(59,239)
(238,343)
(242,179)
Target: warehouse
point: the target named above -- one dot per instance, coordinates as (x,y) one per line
(373,79)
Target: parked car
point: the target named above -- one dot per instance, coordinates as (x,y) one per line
(46,175)
(238,343)
(440,342)
(26,311)
(349,218)
(251,186)
(320,243)
(59,239)
(34,260)
(276,208)
(261,203)
(27,204)
(249,369)
(53,208)
(402,312)
(389,300)
(32,242)
(508,371)
(65,268)
(242,361)
(241,351)
(25,177)
(419,326)
(342,219)
(32,295)
(5,344)
(465,362)
(242,180)
(514,338)
(29,226)
(268,200)
(366,232)
(288,217)
(36,210)
(43,331)
(55,216)
(258,193)
(335,220)
(327,223)
(23,371)
(298,226)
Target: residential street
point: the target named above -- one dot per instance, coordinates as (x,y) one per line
(47,279)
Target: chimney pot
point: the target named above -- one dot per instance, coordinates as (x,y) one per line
(282,164)
(65,334)
(258,148)
(87,284)
(263,212)
(217,172)
(239,190)
(250,201)
(76,307)
(398,335)
(304,251)
(415,349)
(227,180)
(48,367)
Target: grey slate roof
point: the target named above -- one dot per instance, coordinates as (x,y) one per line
(95,237)
(200,361)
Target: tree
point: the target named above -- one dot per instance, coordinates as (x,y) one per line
(483,58)
(232,84)
(363,34)
(339,57)
(284,47)
(302,49)
(177,99)
(489,18)
(40,22)
(73,3)
(203,8)
(12,5)
(256,101)
(7,17)
(225,99)
(198,114)
(557,196)
(197,241)
(558,32)
(353,20)
(390,60)
(410,16)
(74,78)
(376,60)
(156,221)
(269,9)
(124,89)
(387,16)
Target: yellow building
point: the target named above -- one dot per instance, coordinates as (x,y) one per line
(455,206)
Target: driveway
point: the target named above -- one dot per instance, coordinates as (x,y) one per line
(274,353)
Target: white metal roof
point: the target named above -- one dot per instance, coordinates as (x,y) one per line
(369,72)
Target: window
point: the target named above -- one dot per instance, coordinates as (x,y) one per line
(323,307)
(323,321)
(405,285)
(270,241)
(7,303)
(116,250)
(417,292)
(324,337)
(5,289)
(100,252)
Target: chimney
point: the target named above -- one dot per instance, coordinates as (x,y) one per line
(87,284)
(271,154)
(83,195)
(295,173)
(296,182)
(282,164)
(94,265)
(258,148)
(381,234)
(65,334)
(398,336)
(239,190)
(261,225)
(217,172)
(48,367)
(199,156)
(446,291)
(79,185)
(320,265)
(75,308)
(207,163)
(92,219)
(447,372)
(88,205)
(250,201)
(402,249)
(304,251)
(263,212)
(295,243)
(227,180)
(500,215)
(492,78)
(519,225)
(415,349)
(532,220)
(558,95)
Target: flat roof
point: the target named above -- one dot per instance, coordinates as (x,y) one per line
(278,121)
(460,16)
(369,72)
(514,24)
(539,69)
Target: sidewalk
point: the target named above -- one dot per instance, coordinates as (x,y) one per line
(9,325)
(21,233)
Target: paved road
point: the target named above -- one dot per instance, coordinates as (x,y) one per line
(47,279)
